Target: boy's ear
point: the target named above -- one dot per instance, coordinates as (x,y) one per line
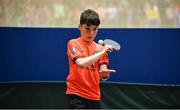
(79,26)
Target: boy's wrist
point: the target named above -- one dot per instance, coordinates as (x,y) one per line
(104,78)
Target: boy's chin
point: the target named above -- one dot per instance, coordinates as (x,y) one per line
(89,40)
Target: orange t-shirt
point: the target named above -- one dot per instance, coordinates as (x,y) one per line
(84,82)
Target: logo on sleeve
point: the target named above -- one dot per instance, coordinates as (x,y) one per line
(73,50)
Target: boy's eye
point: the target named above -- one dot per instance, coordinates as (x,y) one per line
(88,29)
(95,29)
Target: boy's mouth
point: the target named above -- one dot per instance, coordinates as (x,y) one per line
(90,37)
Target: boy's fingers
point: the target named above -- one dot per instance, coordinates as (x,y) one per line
(107,71)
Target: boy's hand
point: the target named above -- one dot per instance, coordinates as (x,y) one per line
(104,73)
(108,48)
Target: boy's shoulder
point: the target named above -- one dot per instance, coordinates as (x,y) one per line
(73,40)
(98,45)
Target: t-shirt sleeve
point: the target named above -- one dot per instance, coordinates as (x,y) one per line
(73,51)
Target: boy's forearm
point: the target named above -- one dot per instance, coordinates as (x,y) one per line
(87,61)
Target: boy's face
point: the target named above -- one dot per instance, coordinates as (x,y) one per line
(88,33)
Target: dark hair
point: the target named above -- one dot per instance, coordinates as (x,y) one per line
(89,17)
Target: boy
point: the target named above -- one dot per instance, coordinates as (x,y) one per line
(88,64)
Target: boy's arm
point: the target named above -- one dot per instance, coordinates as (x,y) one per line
(87,61)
